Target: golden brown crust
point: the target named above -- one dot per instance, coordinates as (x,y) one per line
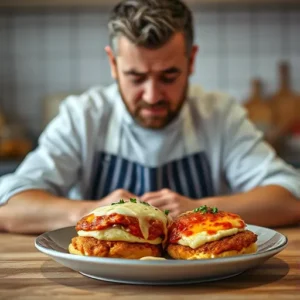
(90,246)
(240,243)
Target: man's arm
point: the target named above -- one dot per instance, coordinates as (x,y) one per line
(269,206)
(36,211)
(32,198)
(266,190)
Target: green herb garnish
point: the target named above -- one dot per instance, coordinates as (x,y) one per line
(120,202)
(132,200)
(205,209)
(166,211)
(214,210)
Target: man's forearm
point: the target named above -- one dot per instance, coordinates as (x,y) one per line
(36,211)
(269,206)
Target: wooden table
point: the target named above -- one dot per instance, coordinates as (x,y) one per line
(27,274)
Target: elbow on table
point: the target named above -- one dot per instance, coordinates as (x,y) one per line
(5,222)
(9,222)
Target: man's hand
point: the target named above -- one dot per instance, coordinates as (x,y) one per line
(115,196)
(168,200)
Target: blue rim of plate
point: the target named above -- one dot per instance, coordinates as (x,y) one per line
(167,262)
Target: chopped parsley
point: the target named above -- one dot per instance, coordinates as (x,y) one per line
(120,202)
(132,200)
(205,209)
(166,211)
(214,210)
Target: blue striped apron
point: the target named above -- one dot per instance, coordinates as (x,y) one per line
(189,176)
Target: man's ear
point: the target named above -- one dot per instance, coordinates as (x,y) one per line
(193,59)
(112,62)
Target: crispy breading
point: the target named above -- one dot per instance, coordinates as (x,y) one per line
(240,243)
(90,246)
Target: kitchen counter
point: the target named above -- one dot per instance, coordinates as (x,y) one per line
(28,274)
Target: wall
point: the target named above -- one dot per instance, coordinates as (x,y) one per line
(43,53)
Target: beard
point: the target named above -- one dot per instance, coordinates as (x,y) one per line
(155,122)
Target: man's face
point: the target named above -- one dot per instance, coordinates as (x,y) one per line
(152,83)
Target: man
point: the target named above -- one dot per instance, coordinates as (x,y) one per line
(149,136)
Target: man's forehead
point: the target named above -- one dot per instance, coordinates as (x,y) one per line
(171,54)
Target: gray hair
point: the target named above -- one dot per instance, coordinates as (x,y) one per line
(151,23)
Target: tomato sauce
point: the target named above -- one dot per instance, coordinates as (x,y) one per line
(189,224)
(130,224)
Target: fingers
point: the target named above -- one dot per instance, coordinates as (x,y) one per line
(158,202)
(151,195)
(158,199)
(163,199)
(116,196)
(129,195)
(122,194)
(158,194)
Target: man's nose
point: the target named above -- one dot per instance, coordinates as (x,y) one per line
(152,92)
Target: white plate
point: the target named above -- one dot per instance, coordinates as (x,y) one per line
(55,244)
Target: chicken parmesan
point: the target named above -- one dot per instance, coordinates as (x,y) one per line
(130,229)
(208,233)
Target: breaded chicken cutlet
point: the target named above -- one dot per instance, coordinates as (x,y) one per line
(209,233)
(130,229)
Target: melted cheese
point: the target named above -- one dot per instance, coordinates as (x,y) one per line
(198,239)
(116,234)
(213,223)
(138,210)
(152,258)
(197,229)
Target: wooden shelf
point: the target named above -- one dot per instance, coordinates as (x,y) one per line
(109,3)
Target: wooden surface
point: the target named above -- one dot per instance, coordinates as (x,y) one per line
(27,274)
(108,3)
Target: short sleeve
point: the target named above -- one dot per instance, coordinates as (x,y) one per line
(54,165)
(248,160)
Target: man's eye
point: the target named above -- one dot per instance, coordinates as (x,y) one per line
(168,80)
(138,80)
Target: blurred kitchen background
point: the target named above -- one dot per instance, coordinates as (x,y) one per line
(52,48)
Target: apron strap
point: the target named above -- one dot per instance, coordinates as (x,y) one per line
(192,144)
(113,136)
